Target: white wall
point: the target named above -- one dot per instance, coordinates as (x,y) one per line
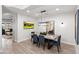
(24,34)
(0,26)
(14,27)
(6,21)
(43,27)
(67,30)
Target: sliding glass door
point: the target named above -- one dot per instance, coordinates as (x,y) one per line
(77,27)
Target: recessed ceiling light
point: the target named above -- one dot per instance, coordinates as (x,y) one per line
(5,14)
(18,6)
(27,11)
(57,9)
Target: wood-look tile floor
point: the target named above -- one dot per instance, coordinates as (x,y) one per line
(26,47)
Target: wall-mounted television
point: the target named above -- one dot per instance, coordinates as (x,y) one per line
(28,25)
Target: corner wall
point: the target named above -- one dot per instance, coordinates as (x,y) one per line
(24,34)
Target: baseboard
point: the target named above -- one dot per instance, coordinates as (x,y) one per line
(23,40)
(61,41)
(68,43)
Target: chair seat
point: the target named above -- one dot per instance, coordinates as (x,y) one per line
(53,42)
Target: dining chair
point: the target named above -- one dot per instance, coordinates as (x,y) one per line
(35,39)
(42,41)
(32,33)
(56,43)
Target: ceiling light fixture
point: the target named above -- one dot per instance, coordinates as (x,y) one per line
(27,11)
(57,9)
(18,6)
(5,14)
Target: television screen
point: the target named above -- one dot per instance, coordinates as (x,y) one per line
(28,25)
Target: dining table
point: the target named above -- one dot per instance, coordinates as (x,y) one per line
(49,38)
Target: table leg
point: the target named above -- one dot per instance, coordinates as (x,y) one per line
(49,46)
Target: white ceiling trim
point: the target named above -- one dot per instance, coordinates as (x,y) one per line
(18,6)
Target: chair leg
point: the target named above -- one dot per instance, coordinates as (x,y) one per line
(38,44)
(58,49)
(44,47)
(49,46)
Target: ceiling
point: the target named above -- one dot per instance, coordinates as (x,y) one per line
(34,10)
(7,14)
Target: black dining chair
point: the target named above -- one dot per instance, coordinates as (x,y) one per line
(35,39)
(42,41)
(32,33)
(56,43)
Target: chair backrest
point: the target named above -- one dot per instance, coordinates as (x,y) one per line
(10,30)
(41,39)
(32,33)
(35,38)
(59,39)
